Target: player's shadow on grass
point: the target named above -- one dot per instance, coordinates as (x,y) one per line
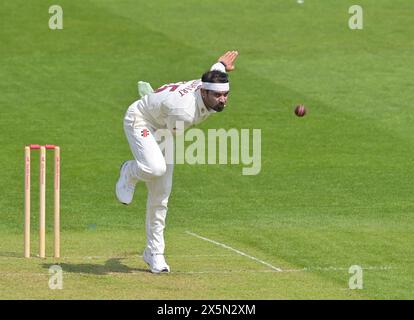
(111,266)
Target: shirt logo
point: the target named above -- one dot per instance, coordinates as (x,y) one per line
(144,133)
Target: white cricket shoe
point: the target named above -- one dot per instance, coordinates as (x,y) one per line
(156,262)
(125,188)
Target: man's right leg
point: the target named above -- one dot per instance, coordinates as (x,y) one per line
(149,161)
(125,186)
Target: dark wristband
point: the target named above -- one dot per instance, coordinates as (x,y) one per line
(225,66)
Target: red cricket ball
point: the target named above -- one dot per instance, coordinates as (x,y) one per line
(300,110)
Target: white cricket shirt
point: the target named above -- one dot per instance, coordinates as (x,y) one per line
(174,102)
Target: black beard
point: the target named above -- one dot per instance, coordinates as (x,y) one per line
(218,107)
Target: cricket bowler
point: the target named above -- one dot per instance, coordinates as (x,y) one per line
(189,103)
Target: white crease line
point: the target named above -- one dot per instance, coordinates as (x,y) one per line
(235,250)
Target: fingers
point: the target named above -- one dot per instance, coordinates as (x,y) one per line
(233,54)
(230,55)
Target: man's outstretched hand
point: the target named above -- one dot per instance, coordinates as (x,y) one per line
(228,59)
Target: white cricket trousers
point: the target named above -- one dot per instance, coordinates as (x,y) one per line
(149,166)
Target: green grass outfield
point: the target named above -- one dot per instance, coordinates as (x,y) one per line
(335,189)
